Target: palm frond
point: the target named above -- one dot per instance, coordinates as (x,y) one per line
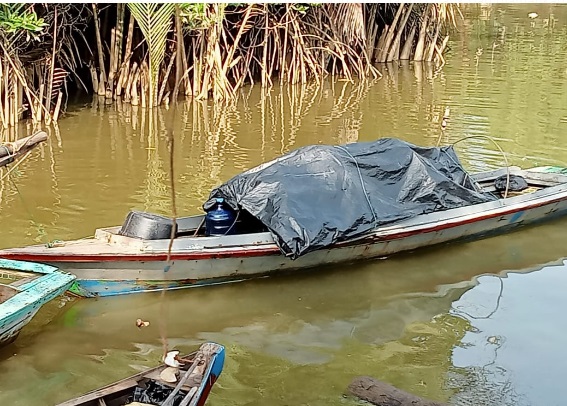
(154,21)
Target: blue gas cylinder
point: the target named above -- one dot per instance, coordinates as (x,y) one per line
(220,220)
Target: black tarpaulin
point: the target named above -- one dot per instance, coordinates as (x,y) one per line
(317,195)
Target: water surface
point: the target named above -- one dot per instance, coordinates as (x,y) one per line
(470,323)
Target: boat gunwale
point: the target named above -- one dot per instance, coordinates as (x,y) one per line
(98,393)
(424,223)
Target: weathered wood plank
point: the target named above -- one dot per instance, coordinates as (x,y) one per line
(11,150)
(25,143)
(382,394)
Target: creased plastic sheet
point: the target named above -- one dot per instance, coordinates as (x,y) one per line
(317,195)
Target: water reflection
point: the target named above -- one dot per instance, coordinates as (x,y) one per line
(286,336)
(510,354)
(391,319)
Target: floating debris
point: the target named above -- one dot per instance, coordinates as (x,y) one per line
(141,323)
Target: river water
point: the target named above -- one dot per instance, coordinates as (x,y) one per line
(478,323)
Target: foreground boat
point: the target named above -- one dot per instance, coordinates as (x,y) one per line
(188,385)
(114,264)
(33,286)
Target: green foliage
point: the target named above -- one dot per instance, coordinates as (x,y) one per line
(194,16)
(300,7)
(154,21)
(17,17)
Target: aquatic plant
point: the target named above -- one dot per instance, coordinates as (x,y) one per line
(202,50)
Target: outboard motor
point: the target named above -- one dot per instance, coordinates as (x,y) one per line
(220,219)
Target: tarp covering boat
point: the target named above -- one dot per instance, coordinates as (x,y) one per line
(318,195)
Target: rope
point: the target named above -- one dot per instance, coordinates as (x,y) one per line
(5,146)
(234,222)
(55,243)
(499,149)
(361,182)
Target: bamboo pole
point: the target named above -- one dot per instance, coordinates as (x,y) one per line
(120,82)
(381,43)
(132,76)
(394,51)
(20,101)
(389,37)
(420,47)
(57,106)
(109,89)
(18,75)
(125,69)
(94,77)
(51,69)
(143,95)
(3,116)
(102,81)
(433,44)
(121,7)
(265,47)
(197,65)
(39,102)
(164,82)
(439,50)
(7,98)
(406,50)
(179,52)
(12,103)
(134,90)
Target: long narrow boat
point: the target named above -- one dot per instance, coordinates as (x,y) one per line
(114,264)
(32,286)
(190,385)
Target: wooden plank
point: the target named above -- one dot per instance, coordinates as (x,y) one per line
(102,392)
(382,394)
(25,143)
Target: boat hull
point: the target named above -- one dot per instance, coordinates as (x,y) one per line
(115,269)
(17,311)
(109,278)
(117,392)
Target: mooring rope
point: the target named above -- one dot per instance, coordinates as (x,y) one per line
(499,149)
(169,262)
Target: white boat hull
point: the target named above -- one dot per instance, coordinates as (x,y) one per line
(112,264)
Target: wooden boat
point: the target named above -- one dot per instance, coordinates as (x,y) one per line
(194,380)
(114,264)
(33,285)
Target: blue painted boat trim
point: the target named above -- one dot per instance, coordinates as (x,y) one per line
(212,373)
(18,310)
(26,266)
(102,288)
(98,288)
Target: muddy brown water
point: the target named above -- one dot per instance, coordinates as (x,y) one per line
(477,323)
